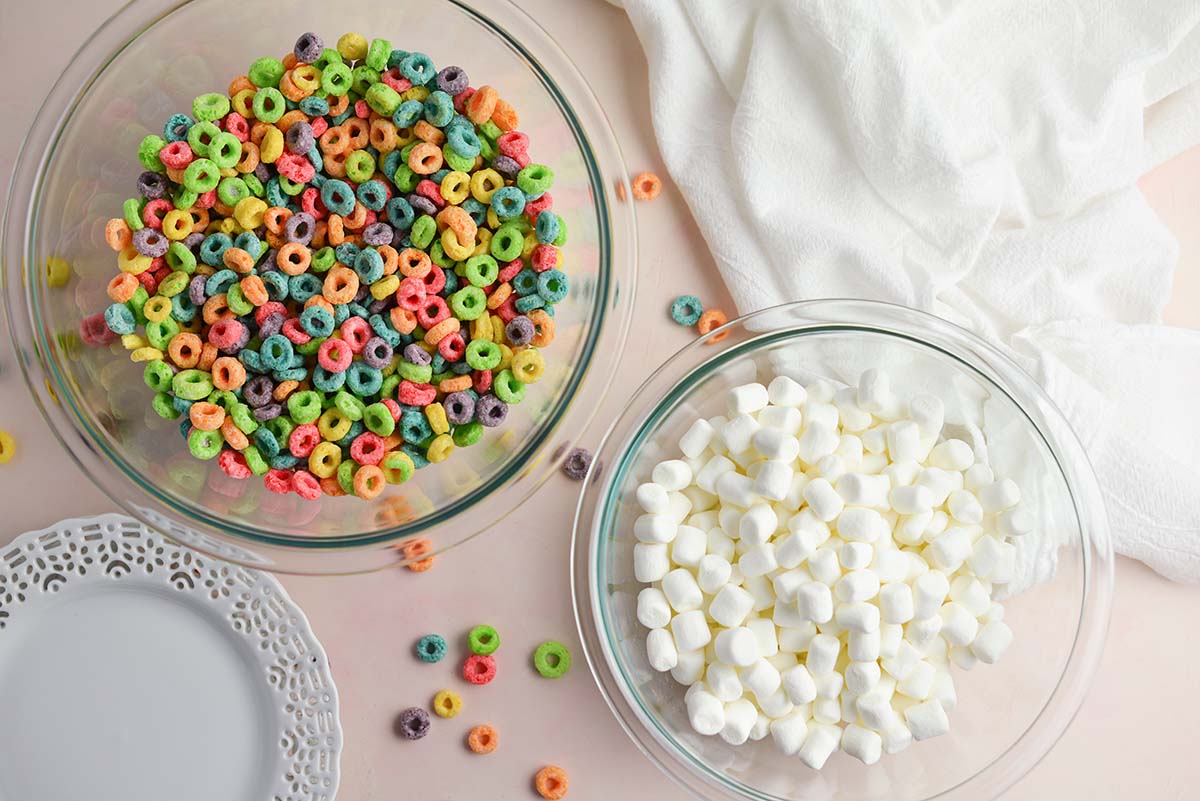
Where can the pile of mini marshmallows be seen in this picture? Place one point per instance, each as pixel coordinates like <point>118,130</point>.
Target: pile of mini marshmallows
<point>818,559</point>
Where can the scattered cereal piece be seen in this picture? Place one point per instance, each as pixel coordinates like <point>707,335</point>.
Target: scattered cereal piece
<point>551,782</point>
<point>483,740</point>
<point>646,186</point>
<point>710,319</point>
<point>58,272</point>
<point>8,446</point>
<point>413,723</point>
<point>577,463</point>
<point>447,704</point>
<point>431,648</point>
<point>479,669</point>
<point>552,659</point>
<point>483,640</point>
<point>686,310</point>
<point>415,550</point>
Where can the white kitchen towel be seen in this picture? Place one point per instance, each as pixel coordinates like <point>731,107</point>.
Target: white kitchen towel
<point>973,159</point>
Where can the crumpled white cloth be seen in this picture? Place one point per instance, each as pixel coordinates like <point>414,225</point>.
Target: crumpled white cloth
<point>976,160</point>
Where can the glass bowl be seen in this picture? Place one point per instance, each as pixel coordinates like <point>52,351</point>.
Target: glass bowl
<point>78,163</point>
<point>1008,714</point>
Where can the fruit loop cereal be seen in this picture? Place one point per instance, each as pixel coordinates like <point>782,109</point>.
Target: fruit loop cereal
<point>447,704</point>
<point>8,447</point>
<point>551,782</point>
<point>413,723</point>
<point>686,310</point>
<point>577,463</point>
<point>431,648</point>
<point>552,659</point>
<point>646,186</point>
<point>338,271</point>
<point>483,640</point>
<point>479,669</point>
<point>483,740</point>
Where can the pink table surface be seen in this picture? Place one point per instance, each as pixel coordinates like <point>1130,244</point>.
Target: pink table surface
<point>1134,738</point>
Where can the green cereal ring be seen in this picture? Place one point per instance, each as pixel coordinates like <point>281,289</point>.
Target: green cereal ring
<point>561,239</point>
<point>132,212</point>
<point>236,299</point>
<point>164,405</point>
<point>290,187</point>
<point>192,385</point>
<point>243,418</point>
<point>253,184</point>
<point>157,375</point>
<point>362,78</point>
<point>173,284</point>
<point>552,659</point>
<point>423,232</point>
<point>281,427</point>
<point>437,255</point>
<point>388,388</point>
<point>205,444</point>
<point>266,72</point>
<point>351,407</point>
<point>269,105</point>
<point>304,406</point>
<point>378,54</point>
<point>360,165</point>
<point>322,260</point>
<point>507,243</point>
<point>468,434</point>
<point>455,161</point>
<point>200,136</point>
<point>181,258</point>
<point>336,80</point>
<point>147,152</point>
<point>416,373</point>
<point>137,303</point>
<point>225,150</point>
<point>160,332</point>
<point>328,56</point>
<point>535,179</point>
<point>223,398</point>
<point>345,475</point>
<point>487,149</point>
<point>210,106</point>
<point>382,99</point>
<point>491,130</point>
<point>202,176</point>
<point>507,388</point>
<point>255,461</point>
<point>483,640</point>
<point>378,419</point>
<point>184,199</point>
<point>231,190</point>
<point>482,270</point>
<point>483,354</point>
<point>405,179</point>
<point>397,467</point>
<point>468,303</point>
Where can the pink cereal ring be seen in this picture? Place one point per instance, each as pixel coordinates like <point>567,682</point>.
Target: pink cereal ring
<point>319,126</point>
<point>460,99</point>
<point>452,347</point>
<point>509,271</point>
<point>277,480</point>
<point>334,355</point>
<point>367,448</point>
<point>356,331</point>
<point>508,309</point>
<point>176,155</point>
<point>535,207</point>
<point>431,191</point>
<point>295,167</point>
<point>362,110</point>
<point>435,280</point>
<point>306,485</point>
<point>234,464</point>
<point>155,210</point>
<point>207,200</point>
<point>370,219</point>
<point>303,439</point>
<point>432,312</point>
<point>392,407</point>
<point>94,331</point>
<point>481,380</point>
<point>292,330</point>
<point>267,309</point>
<point>310,201</point>
<point>148,280</point>
<point>394,79</point>
<point>412,394</point>
<point>513,143</point>
<point>545,257</point>
<point>237,125</point>
<point>411,294</point>
<point>226,333</point>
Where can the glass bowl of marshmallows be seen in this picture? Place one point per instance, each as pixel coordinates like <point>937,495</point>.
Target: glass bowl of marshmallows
<point>842,550</point>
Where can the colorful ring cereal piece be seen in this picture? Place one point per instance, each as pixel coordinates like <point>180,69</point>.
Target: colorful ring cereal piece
<point>479,669</point>
<point>577,463</point>
<point>483,640</point>
<point>483,740</point>
<point>8,447</point>
<point>413,723</point>
<point>551,782</point>
<point>552,659</point>
<point>646,186</point>
<point>447,704</point>
<point>686,310</point>
<point>431,648</point>
<point>709,320</point>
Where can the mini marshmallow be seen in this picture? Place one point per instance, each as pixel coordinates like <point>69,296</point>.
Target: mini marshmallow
<point>971,593</point>
<point>690,630</point>
<point>929,591</point>
<point>713,469</point>
<point>660,650</point>
<point>999,495</point>
<point>774,480</point>
<point>829,685</point>
<point>764,636</point>
<point>857,585</point>
<point>653,609</point>
<point>731,606</point>
<point>928,412</point>
<point>678,507</point>
<point>672,475</point>
<point>1015,522</point>
<point>855,555</point>
<point>921,633</point>
<point>824,565</point>
<point>890,635</point>
<point>727,526</point>
<point>852,416</point>
<point>860,525</point>
<point>747,399</point>
<point>653,498</point>
<point>736,646</point>
<point>786,584</point>
<point>964,507</point>
<point>959,626</point>
<point>788,732</point>
<point>902,474</point>
<point>943,690</point>
<point>926,720</point>
<point>903,662</point>
<point>904,441</point>
<point>783,391</point>
<point>759,588</point>
<point>963,657</point>
<point>761,678</point>
<point>689,546</point>
<point>739,718</point>
<point>950,548</point>
<point>875,710</point>
<point>723,681</point>
<point>859,616</point>
<point>762,725</point>
<point>874,440</point>
<point>911,499</point>
<point>795,639</point>
<point>650,562</point>
<point>689,667</point>
<point>775,705</point>
<point>861,677</point>
<point>992,559</point>
<point>775,444</point>
<point>822,654</point>
<point>818,440</point>
<point>874,391</point>
<point>736,489</point>
<point>713,573</point>
<point>697,438</point>
<point>701,501</point>
<point>706,713</point>
<point>820,742</point>
<point>859,489</point>
<point>738,432</point>
<point>798,683</point>
<point>814,601</point>
<point>940,482</point>
<point>863,646</point>
<point>708,519</point>
<point>681,590</point>
<point>821,413</point>
<point>862,744</point>
<point>831,467</point>
<point>978,476</point>
<point>896,603</point>
<point>919,681</point>
<point>890,564</point>
<point>953,454</point>
<point>782,418</point>
<point>992,641</point>
<point>910,529</point>
<point>896,737</point>
<point>655,528</point>
<point>758,524</point>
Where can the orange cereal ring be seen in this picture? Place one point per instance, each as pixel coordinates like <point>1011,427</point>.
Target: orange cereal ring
<point>358,132</point>
<point>646,186</point>
<point>293,258</point>
<point>482,104</point>
<point>505,116</point>
<point>234,437</point>
<point>289,89</point>
<point>456,384</point>
<point>217,308</point>
<point>710,319</point>
<point>175,175</point>
<point>459,221</point>
<point>356,219</point>
<point>425,159</point>
<point>368,481</point>
<point>391,258</point>
<point>240,83</point>
<point>383,136</point>
<point>483,740</point>
<point>284,388</point>
<point>336,231</point>
<point>254,290</point>
<point>289,61</point>
<point>341,285</point>
<point>317,300</point>
<point>199,218</point>
<point>184,350</point>
<point>403,320</point>
<point>331,487</point>
<point>117,234</point>
<point>275,217</point>
<point>551,782</point>
<point>249,160</point>
<point>335,164</point>
<point>334,140</point>
<point>429,133</point>
<point>442,330</point>
<point>414,263</point>
<point>291,118</point>
<point>499,295</point>
<point>258,130</point>
<point>338,104</point>
<point>238,260</point>
<point>228,373</point>
<point>122,287</point>
<point>543,326</point>
<point>206,416</point>
<point>208,355</point>
<point>320,232</point>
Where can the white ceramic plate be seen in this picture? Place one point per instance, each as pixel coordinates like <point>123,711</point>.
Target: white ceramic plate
<point>132,669</point>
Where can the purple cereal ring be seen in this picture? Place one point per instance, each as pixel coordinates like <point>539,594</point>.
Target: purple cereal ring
<point>422,204</point>
<point>577,463</point>
<point>361,294</point>
<point>378,234</point>
<point>151,185</point>
<point>415,354</point>
<point>150,242</point>
<point>519,331</point>
<point>508,167</point>
<point>460,408</point>
<point>299,138</point>
<point>300,226</point>
<point>193,240</point>
<point>257,391</point>
<point>377,353</point>
<point>196,292</point>
<point>382,305</point>
<point>452,80</point>
<point>263,172</point>
<point>238,344</point>
<point>271,326</point>
<point>267,263</point>
<point>268,412</point>
<point>490,411</point>
<point>308,47</point>
<point>413,723</point>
